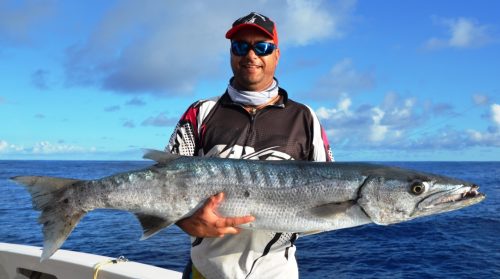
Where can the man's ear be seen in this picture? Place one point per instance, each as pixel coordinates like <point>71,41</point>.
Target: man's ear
<point>277,53</point>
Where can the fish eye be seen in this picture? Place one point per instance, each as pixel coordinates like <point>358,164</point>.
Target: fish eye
<point>417,188</point>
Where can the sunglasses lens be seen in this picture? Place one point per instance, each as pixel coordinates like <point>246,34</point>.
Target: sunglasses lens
<point>239,48</point>
<point>263,48</point>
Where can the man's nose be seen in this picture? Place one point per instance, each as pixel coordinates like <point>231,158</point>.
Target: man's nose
<point>251,54</point>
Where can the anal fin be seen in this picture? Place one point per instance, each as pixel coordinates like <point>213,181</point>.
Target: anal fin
<point>151,224</point>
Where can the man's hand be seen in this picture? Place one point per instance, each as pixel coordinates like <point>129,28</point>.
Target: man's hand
<point>205,222</point>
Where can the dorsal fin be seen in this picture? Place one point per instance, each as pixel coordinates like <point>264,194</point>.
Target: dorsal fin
<point>159,156</point>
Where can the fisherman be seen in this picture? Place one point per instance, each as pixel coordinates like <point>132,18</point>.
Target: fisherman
<point>253,119</point>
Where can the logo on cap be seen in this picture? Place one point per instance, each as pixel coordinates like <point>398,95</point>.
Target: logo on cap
<point>253,18</point>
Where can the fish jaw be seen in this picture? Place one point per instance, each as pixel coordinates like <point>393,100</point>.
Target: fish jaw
<point>459,197</point>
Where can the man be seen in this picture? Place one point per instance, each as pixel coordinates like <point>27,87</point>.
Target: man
<point>253,119</point>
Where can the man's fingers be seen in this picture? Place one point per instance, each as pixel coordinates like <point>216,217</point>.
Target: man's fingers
<point>214,201</point>
<point>233,221</point>
<point>228,230</point>
<point>215,225</point>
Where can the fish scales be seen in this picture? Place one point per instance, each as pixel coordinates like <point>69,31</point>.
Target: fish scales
<point>274,196</point>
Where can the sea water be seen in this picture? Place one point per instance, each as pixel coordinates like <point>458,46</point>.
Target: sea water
<point>459,244</point>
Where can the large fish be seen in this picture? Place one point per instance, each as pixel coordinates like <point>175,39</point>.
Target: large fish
<point>284,196</point>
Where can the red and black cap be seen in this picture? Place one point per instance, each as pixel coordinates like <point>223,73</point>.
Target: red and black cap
<point>255,20</point>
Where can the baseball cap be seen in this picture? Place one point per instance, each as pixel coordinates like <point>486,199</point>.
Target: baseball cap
<point>254,20</point>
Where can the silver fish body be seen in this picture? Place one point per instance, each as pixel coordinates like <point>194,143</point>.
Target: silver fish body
<point>284,196</point>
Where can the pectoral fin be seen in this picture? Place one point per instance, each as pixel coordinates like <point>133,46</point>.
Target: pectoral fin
<point>330,210</point>
<point>151,224</point>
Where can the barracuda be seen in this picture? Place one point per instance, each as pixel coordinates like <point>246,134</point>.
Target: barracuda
<point>284,196</point>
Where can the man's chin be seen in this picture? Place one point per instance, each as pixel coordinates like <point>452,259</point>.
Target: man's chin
<point>250,84</point>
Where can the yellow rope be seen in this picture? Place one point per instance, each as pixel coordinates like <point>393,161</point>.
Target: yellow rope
<point>98,266</point>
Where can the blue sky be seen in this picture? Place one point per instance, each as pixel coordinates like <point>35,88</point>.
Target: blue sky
<point>389,80</point>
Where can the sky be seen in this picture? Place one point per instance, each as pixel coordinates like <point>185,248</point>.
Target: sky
<point>389,80</point>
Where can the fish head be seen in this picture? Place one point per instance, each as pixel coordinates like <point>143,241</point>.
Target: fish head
<point>395,195</point>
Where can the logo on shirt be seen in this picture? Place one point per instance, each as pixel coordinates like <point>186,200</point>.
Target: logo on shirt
<point>246,152</point>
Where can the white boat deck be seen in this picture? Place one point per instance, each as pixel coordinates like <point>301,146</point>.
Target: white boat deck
<point>22,261</point>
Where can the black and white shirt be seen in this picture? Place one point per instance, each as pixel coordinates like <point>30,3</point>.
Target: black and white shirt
<point>218,127</point>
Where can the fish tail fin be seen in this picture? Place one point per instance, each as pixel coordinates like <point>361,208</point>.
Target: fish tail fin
<point>57,216</point>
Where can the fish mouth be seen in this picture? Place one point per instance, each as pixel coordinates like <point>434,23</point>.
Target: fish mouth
<point>462,194</point>
<point>453,199</point>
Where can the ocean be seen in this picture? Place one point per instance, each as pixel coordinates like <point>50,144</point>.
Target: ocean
<point>459,244</point>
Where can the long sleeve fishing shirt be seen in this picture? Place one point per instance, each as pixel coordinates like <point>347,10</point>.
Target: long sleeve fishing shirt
<point>219,127</point>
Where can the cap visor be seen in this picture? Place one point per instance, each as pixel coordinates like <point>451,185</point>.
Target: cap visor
<point>230,34</point>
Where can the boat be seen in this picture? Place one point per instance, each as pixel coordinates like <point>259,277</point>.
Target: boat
<point>23,261</point>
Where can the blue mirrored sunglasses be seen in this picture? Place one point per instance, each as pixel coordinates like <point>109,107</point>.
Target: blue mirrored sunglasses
<point>240,48</point>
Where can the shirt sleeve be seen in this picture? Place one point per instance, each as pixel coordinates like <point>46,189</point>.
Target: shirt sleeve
<point>321,148</point>
<point>185,138</point>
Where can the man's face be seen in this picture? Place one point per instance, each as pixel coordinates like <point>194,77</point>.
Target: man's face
<point>252,72</point>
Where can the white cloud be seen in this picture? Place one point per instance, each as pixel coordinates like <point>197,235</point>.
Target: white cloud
<point>6,147</point>
<point>399,112</point>
<point>342,109</point>
<point>484,138</point>
<point>365,124</point>
<point>495,114</point>
<point>461,33</point>
<point>42,148</point>
<point>378,131</point>
<point>308,21</point>
<point>305,21</point>
<point>465,33</point>
<point>61,151</point>
<point>401,124</point>
<point>344,105</point>
<point>167,47</point>
<point>45,147</point>
<point>3,145</point>
<point>491,136</point>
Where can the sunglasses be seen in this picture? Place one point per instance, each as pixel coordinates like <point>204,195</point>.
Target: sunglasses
<point>240,48</point>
